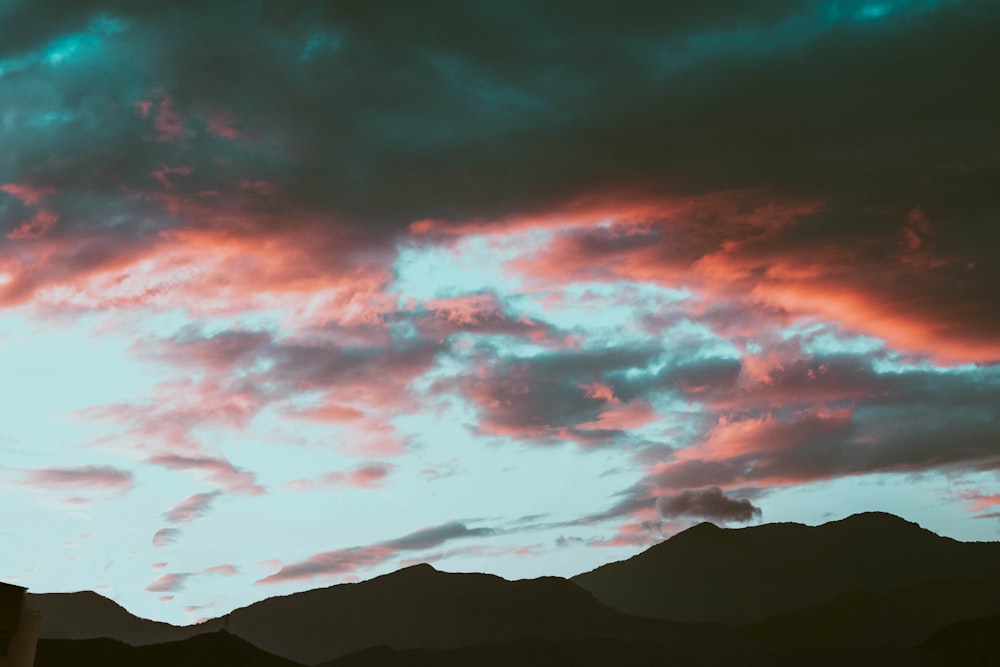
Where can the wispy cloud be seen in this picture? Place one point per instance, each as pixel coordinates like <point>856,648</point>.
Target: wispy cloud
<point>345,561</point>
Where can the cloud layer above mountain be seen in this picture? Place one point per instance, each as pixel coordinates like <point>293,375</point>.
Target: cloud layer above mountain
<point>513,283</point>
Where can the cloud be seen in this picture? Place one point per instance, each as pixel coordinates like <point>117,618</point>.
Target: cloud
<point>546,397</point>
<point>847,201</point>
<point>169,583</point>
<point>708,503</point>
<point>28,194</point>
<point>344,561</point>
<point>191,508</point>
<point>979,501</point>
<point>174,582</point>
<point>225,474</point>
<point>165,536</point>
<point>366,476</point>
<point>98,478</point>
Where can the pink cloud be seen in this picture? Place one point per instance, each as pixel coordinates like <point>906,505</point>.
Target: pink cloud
<point>191,508</point>
<point>164,537</point>
<point>28,194</point>
<point>328,413</point>
<point>366,476</point>
<point>741,248</point>
<point>222,570</point>
<point>622,416</point>
<point>35,227</point>
<point>331,563</point>
<point>473,313</point>
<point>979,501</point>
<point>345,561</point>
<point>168,123</point>
<point>219,470</point>
<point>164,172</point>
<point>767,434</point>
<point>221,124</point>
<point>169,583</point>
<point>646,529</point>
<point>92,477</point>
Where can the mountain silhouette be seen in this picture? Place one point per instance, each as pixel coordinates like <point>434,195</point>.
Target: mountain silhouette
<point>903,617</point>
<point>604,652</point>
<point>416,607</point>
<point>420,607</point>
<point>523,653</point>
<point>214,649</point>
<point>88,615</point>
<point>969,643</point>
<point>870,589</point>
<point>707,573</point>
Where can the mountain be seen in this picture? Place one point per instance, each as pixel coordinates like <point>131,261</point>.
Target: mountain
<point>707,573</point>
<point>903,617</point>
<point>416,607</point>
<point>603,652</point>
<point>865,589</point>
<point>968,643</point>
<point>521,652</point>
<point>420,607</point>
<point>207,650</point>
<point>87,615</point>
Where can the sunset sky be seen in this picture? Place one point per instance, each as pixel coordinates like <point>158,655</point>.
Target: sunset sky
<point>294,294</point>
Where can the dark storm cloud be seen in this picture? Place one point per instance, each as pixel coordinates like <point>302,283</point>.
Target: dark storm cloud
<point>375,117</point>
<point>481,109</point>
<point>546,397</point>
<point>708,503</point>
<point>314,134</point>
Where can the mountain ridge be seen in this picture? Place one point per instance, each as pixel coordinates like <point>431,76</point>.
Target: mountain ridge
<point>741,575</point>
<point>420,608</point>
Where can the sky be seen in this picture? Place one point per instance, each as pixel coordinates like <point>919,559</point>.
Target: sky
<point>295,294</point>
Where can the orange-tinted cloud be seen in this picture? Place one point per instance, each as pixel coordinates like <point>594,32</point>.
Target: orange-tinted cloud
<point>366,476</point>
<point>28,194</point>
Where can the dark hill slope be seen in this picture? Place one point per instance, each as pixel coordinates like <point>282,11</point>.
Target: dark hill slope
<point>903,617</point>
<point>215,649</point>
<point>743,575</point>
<point>604,652</point>
<point>88,615</point>
<point>969,643</point>
<point>420,607</point>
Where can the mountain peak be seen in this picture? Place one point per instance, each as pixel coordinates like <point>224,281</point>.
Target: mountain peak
<point>423,569</point>
<point>737,575</point>
<point>419,567</point>
<point>875,516</point>
<point>703,529</point>
<point>881,521</point>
